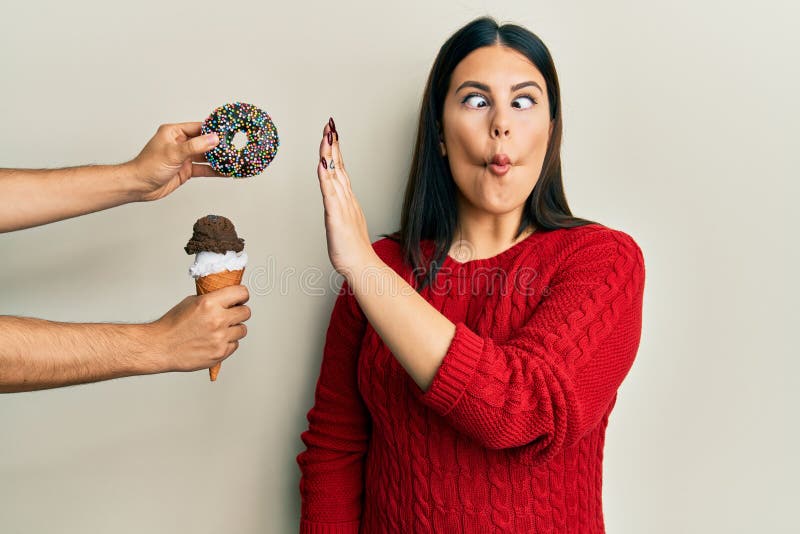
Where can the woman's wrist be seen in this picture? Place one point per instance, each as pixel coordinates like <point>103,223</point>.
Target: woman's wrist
<point>360,272</point>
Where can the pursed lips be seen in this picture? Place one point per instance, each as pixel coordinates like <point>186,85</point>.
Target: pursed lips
<point>500,164</point>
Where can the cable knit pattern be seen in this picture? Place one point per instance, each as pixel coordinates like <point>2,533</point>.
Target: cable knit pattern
<point>509,437</point>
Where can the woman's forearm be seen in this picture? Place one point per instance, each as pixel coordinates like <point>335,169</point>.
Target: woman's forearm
<point>33,197</point>
<point>416,333</point>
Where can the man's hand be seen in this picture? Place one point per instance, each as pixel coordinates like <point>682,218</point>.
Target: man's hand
<point>30,197</point>
<point>201,331</point>
<point>196,334</point>
<point>170,158</point>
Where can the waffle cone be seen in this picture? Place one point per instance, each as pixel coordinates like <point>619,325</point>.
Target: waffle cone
<point>212,282</point>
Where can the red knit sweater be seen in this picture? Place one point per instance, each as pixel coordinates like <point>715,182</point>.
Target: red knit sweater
<point>509,437</point>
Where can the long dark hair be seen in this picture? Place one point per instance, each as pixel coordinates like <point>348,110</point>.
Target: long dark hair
<point>429,207</point>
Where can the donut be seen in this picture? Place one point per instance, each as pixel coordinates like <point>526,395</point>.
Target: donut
<point>262,140</point>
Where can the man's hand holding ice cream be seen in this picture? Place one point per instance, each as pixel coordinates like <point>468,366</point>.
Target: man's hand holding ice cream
<point>201,330</point>
<point>198,333</point>
<point>220,259</point>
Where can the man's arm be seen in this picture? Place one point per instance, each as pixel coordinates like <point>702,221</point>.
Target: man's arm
<point>34,197</point>
<point>196,334</point>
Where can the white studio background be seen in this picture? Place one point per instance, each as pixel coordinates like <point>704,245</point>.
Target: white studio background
<point>680,129</point>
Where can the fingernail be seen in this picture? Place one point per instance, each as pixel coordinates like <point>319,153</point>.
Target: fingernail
<point>333,124</point>
<point>324,163</point>
<point>212,139</point>
<point>330,138</point>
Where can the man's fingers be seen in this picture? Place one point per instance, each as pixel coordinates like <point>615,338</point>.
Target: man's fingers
<point>232,346</point>
<point>230,296</point>
<point>200,170</point>
<point>198,145</point>
<point>237,332</point>
<point>238,314</point>
<point>190,129</point>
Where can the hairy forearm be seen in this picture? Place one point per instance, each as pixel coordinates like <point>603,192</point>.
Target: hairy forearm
<point>37,354</point>
<point>414,331</point>
<point>34,197</point>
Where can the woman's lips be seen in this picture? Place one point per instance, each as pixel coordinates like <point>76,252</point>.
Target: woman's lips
<point>499,170</point>
<point>500,164</point>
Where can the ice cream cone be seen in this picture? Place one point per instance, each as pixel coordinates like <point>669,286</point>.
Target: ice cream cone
<point>212,282</point>
<point>220,258</point>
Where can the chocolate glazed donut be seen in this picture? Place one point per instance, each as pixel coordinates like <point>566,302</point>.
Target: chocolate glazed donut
<point>262,140</point>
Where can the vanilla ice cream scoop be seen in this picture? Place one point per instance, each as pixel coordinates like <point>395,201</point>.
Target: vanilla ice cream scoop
<point>206,263</point>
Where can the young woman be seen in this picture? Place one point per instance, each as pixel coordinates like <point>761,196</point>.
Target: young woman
<point>473,357</point>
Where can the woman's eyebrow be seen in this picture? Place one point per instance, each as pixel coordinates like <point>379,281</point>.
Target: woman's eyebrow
<point>484,87</point>
<point>476,85</point>
<point>526,84</point>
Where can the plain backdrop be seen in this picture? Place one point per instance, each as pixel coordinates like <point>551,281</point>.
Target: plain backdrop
<point>680,128</point>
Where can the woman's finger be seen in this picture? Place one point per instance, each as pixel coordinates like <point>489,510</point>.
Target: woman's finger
<point>328,162</point>
<point>336,162</point>
<point>341,190</point>
<point>336,157</point>
<point>333,178</point>
<point>336,151</point>
<point>324,145</point>
<point>326,183</point>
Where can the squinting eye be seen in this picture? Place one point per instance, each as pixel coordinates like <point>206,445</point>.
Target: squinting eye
<point>473,100</point>
<point>524,105</point>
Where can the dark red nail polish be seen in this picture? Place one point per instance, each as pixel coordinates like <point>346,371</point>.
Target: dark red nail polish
<point>330,138</point>
<point>333,124</point>
<point>324,163</point>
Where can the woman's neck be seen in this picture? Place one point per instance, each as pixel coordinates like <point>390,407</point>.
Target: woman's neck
<point>477,243</point>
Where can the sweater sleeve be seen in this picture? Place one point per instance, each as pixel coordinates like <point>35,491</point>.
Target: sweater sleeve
<point>331,482</point>
<point>554,378</point>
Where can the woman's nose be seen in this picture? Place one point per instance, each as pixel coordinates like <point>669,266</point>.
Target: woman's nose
<point>500,126</point>
<point>500,132</point>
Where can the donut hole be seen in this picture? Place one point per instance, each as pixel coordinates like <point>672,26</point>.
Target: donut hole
<point>239,140</point>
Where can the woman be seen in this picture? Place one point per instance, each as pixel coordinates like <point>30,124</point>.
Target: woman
<point>474,356</point>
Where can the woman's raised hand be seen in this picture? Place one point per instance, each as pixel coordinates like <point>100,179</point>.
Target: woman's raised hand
<point>349,245</point>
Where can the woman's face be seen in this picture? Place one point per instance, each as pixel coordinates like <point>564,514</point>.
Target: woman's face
<point>496,108</point>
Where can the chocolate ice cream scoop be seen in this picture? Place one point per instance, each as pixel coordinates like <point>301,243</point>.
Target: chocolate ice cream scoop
<point>214,233</point>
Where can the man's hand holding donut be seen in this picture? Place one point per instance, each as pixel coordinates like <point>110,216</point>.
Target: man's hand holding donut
<point>32,197</point>
<point>170,158</point>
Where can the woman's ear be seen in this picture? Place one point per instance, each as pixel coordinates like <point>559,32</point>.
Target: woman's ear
<point>442,147</point>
